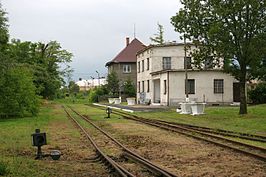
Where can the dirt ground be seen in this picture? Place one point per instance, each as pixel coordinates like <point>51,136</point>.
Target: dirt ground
<point>182,155</point>
<point>179,154</point>
<point>78,156</point>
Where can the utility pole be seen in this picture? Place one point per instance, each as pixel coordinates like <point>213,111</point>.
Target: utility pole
<point>98,78</point>
<point>186,83</point>
<point>92,78</point>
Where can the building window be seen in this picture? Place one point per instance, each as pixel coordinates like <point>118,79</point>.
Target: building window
<point>166,62</point>
<point>187,62</point>
<point>138,66</point>
<point>138,86</point>
<point>148,63</point>
<point>190,86</point>
<point>126,68</point>
<point>148,85</point>
<point>142,65</point>
<point>142,86</point>
<point>165,89</point>
<point>218,86</point>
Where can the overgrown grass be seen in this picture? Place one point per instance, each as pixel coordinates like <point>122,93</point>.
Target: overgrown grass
<point>72,100</point>
<point>17,152</point>
<point>95,113</point>
<point>15,143</point>
<point>215,117</point>
<point>3,168</point>
<point>219,117</point>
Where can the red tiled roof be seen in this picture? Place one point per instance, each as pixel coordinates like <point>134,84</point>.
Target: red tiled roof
<point>128,54</point>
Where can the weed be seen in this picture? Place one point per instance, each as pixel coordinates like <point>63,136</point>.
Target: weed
<point>3,168</point>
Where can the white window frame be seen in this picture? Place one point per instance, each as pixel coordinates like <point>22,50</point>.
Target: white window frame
<point>126,68</point>
<point>218,86</point>
<point>166,63</point>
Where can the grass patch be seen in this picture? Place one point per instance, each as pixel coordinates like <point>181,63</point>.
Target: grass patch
<point>3,168</point>
<point>17,153</point>
<point>219,117</point>
<point>15,143</point>
<point>215,117</point>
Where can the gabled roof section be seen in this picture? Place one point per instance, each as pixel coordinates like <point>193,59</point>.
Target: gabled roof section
<point>128,54</point>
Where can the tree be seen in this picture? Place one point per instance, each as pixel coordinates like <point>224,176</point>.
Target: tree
<point>158,38</point>
<point>258,95</point>
<point>73,87</point>
<point>129,88</point>
<point>3,28</point>
<point>46,61</point>
<point>113,83</point>
<point>18,96</point>
<point>232,30</point>
<point>28,69</point>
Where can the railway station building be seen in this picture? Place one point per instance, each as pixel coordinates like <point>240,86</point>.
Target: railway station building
<point>124,63</point>
<point>161,78</point>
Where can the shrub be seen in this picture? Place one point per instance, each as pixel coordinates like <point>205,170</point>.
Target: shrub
<point>17,93</point>
<point>258,95</point>
<point>3,168</point>
<point>93,97</point>
<point>96,92</point>
<point>129,88</point>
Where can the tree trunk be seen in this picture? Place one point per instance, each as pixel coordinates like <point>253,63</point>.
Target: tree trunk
<point>243,97</point>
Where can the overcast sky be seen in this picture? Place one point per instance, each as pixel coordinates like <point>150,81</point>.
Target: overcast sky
<point>93,30</point>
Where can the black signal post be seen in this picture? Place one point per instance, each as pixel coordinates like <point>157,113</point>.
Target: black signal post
<point>38,140</point>
<point>108,112</point>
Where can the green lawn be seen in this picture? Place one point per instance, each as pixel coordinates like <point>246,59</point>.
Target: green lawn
<point>219,117</point>
<point>15,143</point>
<point>17,153</point>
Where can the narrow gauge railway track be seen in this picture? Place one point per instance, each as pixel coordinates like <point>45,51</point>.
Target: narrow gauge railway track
<point>222,132</point>
<point>154,169</point>
<point>240,135</point>
<point>112,165</point>
<point>254,151</point>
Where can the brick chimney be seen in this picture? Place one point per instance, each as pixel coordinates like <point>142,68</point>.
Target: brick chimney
<point>127,41</point>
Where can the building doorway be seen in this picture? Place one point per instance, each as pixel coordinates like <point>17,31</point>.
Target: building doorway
<point>157,91</point>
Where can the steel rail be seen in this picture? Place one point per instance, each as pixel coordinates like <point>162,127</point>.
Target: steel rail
<point>107,160</point>
<point>175,129</point>
<point>129,153</point>
<point>240,135</point>
<point>183,130</point>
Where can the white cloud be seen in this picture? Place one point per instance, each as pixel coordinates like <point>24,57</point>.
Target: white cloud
<point>94,30</point>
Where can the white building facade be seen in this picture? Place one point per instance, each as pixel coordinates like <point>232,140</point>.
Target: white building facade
<point>161,78</point>
<point>85,85</point>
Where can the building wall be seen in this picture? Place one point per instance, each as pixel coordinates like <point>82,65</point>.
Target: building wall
<point>204,79</point>
<point>144,75</point>
<point>118,68</point>
<point>175,52</point>
<point>204,86</point>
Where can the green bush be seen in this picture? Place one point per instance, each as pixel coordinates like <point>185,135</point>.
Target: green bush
<point>3,168</point>
<point>93,97</point>
<point>258,95</point>
<point>129,88</point>
<point>96,92</point>
<point>17,93</point>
